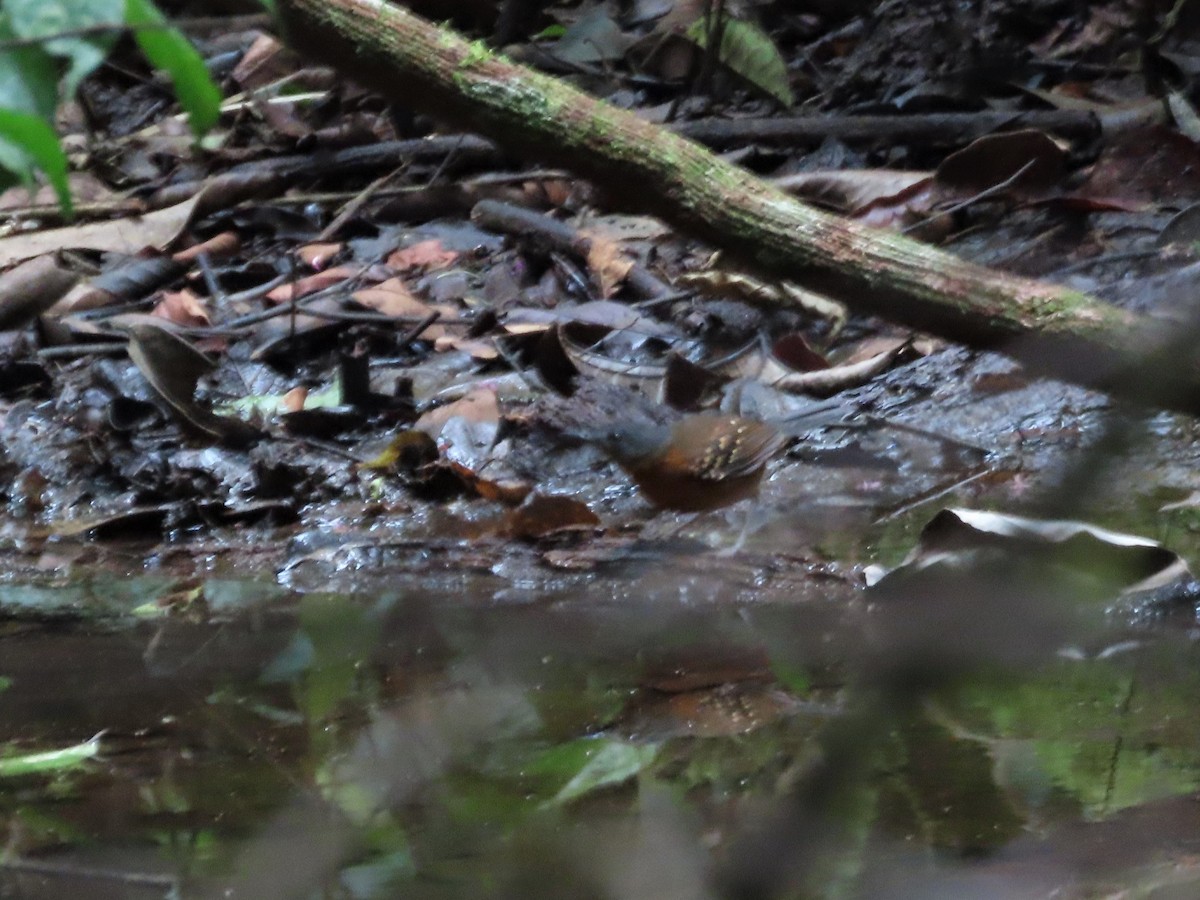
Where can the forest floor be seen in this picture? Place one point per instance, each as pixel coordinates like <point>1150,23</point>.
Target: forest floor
<point>333,358</point>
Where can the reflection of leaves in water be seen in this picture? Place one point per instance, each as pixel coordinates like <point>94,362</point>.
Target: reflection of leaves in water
<point>1084,737</point>
<point>578,705</point>
<point>946,783</point>
<point>39,827</point>
<point>752,763</point>
<point>608,763</point>
<point>291,662</point>
<point>472,798</point>
<point>49,761</point>
<point>372,879</point>
<point>387,856</point>
<point>342,635</point>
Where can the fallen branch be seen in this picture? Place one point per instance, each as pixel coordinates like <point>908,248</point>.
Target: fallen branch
<point>927,129</point>
<point>1051,329</point>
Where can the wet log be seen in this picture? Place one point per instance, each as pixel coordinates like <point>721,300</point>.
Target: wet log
<point>1051,329</point>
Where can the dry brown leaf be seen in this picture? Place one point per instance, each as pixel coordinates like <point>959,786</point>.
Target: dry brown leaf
<point>220,245</point>
<point>480,406</point>
<point>158,229</point>
<point>426,255</point>
<point>293,400</point>
<point>608,261</point>
<point>850,190</point>
<point>310,284</point>
<point>266,60</point>
<point>393,298</point>
<point>509,491</point>
<point>318,256</point>
<point>542,516</point>
<point>182,308</point>
<point>484,351</point>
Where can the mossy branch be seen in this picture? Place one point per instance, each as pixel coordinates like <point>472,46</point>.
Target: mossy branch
<point>1051,329</point>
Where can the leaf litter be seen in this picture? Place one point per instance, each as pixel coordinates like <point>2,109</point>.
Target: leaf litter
<point>380,383</point>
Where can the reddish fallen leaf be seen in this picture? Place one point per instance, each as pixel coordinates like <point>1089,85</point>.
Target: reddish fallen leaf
<point>999,382</point>
<point>426,255</point>
<point>182,308</point>
<point>509,491</point>
<point>1095,204</point>
<point>1143,166</point>
<point>476,406</point>
<point>541,517</point>
<point>794,352</point>
<point>226,243</point>
<point>608,262</point>
<point>704,664</point>
<point>293,400</point>
<point>1105,22</point>
<point>310,284</point>
<point>318,256</point>
<point>484,351</point>
<point>910,213</point>
<point>549,193</point>
<point>266,60</point>
<point>393,298</point>
<point>1030,159</point>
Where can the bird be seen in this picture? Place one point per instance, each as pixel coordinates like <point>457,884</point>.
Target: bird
<point>699,463</point>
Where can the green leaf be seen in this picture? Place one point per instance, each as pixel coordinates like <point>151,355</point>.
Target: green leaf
<point>28,77</point>
<point>264,406</point>
<point>26,141</point>
<point>609,763</point>
<point>792,677</point>
<point>46,18</point>
<point>170,51</point>
<point>749,51</point>
<point>51,760</point>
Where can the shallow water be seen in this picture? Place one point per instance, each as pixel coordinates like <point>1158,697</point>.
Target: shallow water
<point>671,723</point>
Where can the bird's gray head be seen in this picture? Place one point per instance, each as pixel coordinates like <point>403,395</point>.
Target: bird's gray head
<point>632,442</point>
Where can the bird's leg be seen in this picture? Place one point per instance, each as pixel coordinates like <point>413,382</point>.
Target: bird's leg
<point>753,518</point>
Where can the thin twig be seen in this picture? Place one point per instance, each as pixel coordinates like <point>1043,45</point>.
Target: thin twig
<point>417,330</point>
<point>215,291</point>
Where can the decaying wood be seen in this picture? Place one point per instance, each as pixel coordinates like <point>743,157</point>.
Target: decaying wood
<point>1050,328</point>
